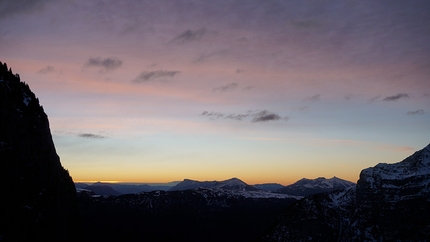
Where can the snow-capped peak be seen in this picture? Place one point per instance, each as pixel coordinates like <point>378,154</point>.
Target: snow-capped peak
<point>416,165</point>
<point>322,182</point>
<point>305,187</point>
<point>231,183</point>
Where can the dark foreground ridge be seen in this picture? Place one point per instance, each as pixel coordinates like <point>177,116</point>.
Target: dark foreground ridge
<point>38,198</point>
<point>391,202</point>
<point>200,214</point>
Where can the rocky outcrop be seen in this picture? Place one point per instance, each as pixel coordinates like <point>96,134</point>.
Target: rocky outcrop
<point>391,202</point>
<point>395,199</point>
<point>38,197</point>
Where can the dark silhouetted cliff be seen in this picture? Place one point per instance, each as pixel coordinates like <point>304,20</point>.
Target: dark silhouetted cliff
<point>37,195</point>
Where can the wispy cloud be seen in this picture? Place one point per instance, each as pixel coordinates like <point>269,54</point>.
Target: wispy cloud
<point>189,35</point>
<point>374,99</point>
<point>46,70</point>
<point>12,7</point>
<point>257,116</point>
<point>204,57</point>
<point>225,88</point>
<point>396,97</point>
<point>217,115</point>
<point>264,116</point>
<point>314,98</point>
<point>91,136</point>
<point>417,112</point>
<point>396,148</point>
<point>106,64</point>
<point>303,108</point>
<point>146,76</point>
<point>348,97</point>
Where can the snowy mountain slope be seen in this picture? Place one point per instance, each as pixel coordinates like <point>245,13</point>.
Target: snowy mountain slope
<point>233,187</point>
<point>215,192</point>
<point>187,184</point>
<point>305,187</point>
<point>230,184</point>
<point>234,184</point>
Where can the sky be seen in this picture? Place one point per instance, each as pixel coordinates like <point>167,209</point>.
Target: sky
<point>262,90</point>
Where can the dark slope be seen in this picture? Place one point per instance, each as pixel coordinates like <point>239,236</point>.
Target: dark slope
<point>38,197</point>
<point>200,214</point>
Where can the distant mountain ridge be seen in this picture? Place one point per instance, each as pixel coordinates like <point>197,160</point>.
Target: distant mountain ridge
<point>301,188</point>
<point>230,184</point>
<point>391,202</point>
<point>306,187</point>
<point>116,189</point>
<point>271,187</point>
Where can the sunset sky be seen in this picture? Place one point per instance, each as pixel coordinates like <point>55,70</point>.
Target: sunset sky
<point>262,90</point>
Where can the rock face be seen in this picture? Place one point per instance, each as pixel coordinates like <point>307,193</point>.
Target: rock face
<point>396,199</point>
<point>391,202</point>
<point>38,197</point>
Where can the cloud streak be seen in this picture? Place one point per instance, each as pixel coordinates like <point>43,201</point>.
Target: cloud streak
<point>374,99</point>
<point>314,98</point>
<point>417,112</point>
<point>226,88</point>
<point>106,64</point>
<point>189,35</point>
<point>91,136</point>
<point>396,97</point>
<point>146,76</point>
<point>204,57</point>
<point>260,116</point>
<point>264,116</point>
<point>217,115</point>
<point>46,70</point>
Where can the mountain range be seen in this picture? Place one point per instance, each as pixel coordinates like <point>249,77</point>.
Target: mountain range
<point>303,187</point>
<point>116,189</point>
